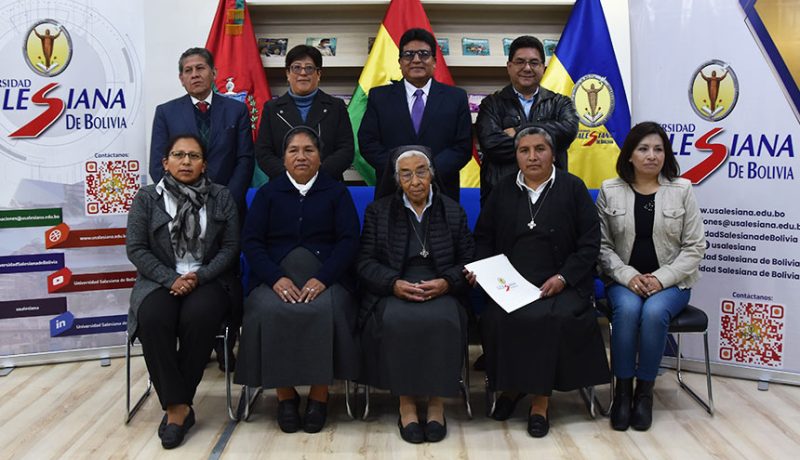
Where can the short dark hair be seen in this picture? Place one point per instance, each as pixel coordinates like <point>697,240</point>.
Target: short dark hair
<point>418,34</point>
<point>670,170</point>
<point>174,140</point>
<point>303,51</point>
<point>301,129</point>
<point>535,129</point>
<point>525,41</point>
<point>202,52</point>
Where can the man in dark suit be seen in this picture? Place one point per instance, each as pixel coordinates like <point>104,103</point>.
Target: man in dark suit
<point>417,110</point>
<point>223,124</point>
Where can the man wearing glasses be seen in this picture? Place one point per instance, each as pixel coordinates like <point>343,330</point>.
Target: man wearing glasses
<point>417,110</point>
<point>221,123</point>
<point>517,105</point>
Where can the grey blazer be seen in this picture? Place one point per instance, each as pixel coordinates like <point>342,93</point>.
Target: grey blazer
<point>150,249</point>
<point>678,233</point>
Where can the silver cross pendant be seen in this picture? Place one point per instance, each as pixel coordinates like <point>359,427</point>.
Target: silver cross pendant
<point>424,253</point>
<point>531,224</point>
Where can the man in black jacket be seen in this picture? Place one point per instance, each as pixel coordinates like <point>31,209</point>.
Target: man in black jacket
<point>521,103</point>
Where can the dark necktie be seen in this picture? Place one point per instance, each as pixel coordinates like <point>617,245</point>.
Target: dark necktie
<point>417,109</point>
<point>204,122</point>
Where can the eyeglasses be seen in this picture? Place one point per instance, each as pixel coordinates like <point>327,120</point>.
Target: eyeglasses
<point>298,69</point>
<point>423,55</point>
<point>407,176</point>
<point>521,63</point>
<point>179,155</point>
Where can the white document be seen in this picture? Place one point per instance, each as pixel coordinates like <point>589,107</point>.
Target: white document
<point>503,282</point>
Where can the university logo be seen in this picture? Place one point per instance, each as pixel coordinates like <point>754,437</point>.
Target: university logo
<point>713,90</point>
<point>48,48</point>
<point>593,97</point>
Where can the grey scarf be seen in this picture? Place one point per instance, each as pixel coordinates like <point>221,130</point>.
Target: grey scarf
<point>185,233</point>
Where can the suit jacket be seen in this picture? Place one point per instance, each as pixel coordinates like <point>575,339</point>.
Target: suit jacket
<point>230,150</point>
<point>150,248</point>
<point>328,115</point>
<point>445,128</point>
<point>678,233</point>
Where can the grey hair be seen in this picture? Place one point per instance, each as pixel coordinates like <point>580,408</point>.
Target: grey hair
<point>409,154</point>
<point>530,131</point>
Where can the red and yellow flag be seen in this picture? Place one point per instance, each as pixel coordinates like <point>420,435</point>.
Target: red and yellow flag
<point>240,73</point>
<point>382,67</point>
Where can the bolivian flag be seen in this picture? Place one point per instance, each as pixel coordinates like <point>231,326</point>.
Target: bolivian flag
<point>382,67</point>
<point>584,67</point>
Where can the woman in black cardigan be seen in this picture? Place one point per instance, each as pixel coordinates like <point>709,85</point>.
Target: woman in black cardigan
<point>544,221</point>
<point>305,104</point>
<point>413,250</point>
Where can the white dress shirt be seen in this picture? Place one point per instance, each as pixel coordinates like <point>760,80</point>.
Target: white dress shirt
<point>411,89</point>
<point>534,194</point>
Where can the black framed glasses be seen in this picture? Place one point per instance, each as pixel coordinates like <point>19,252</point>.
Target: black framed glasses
<point>180,155</point>
<point>408,55</point>
<point>299,69</point>
<point>421,173</point>
<point>521,63</point>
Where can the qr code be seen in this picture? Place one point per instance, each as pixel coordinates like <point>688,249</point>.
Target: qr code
<point>751,333</point>
<point>111,186</point>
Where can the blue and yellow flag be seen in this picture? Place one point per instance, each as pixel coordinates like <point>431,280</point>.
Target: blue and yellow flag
<point>584,67</point>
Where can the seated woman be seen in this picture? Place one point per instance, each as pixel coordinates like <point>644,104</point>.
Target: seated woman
<point>652,244</point>
<point>413,250</point>
<point>183,238</point>
<point>300,239</point>
<point>544,221</point>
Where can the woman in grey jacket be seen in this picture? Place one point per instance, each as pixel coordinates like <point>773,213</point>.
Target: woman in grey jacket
<point>183,238</point>
<point>652,244</point>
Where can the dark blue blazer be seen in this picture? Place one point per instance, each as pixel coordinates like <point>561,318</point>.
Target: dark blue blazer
<point>445,129</point>
<point>325,222</point>
<point>230,150</point>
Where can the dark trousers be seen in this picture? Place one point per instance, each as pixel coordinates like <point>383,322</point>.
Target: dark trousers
<point>177,335</point>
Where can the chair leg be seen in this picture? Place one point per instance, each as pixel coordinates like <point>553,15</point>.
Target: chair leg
<point>589,399</point>
<point>246,401</point>
<point>708,406</point>
<point>129,413</point>
<point>491,397</point>
<point>232,414</point>
<point>347,399</point>
<point>606,412</point>
<point>465,382</point>
<point>366,403</point>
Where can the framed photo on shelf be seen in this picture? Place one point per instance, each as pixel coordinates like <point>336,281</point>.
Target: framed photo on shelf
<point>325,45</point>
<point>272,46</point>
<point>549,47</point>
<point>506,45</point>
<point>474,46</point>
<point>444,44</point>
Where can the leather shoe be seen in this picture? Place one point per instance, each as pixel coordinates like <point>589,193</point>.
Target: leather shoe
<point>412,432</point>
<point>642,413</point>
<point>173,433</point>
<point>538,426</point>
<point>504,406</point>
<point>289,414</point>
<point>621,407</point>
<point>435,431</point>
<point>316,413</point>
<point>162,425</point>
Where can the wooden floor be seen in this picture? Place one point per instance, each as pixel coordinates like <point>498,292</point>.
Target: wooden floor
<point>76,410</point>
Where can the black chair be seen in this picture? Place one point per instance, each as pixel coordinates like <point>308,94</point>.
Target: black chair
<point>131,411</point>
<point>250,395</point>
<point>588,394</point>
<point>691,320</point>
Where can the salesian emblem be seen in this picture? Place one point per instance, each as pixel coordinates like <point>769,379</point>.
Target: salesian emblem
<point>48,48</point>
<point>713,90</point>
<point>594,100</point>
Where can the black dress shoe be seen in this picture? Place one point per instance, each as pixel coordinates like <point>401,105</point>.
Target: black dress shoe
<point>162,425</point>
<point>289,414</point>
<point>435,431</point>
<point>504,406</point>
<point>316,413</point>
<point>480,363</point>
<point>173,434</point>
<point>538,426</point>
<point>412,432</point>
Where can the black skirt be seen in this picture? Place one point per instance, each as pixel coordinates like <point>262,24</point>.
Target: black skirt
<point>285,344</point>
<point>415,348</point>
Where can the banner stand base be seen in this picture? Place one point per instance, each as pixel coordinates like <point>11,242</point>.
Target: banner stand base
<point>6,370</point>
<point>763,385</point>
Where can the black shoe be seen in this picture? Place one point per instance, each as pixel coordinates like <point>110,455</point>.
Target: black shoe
<point>289,414</point>
<point>538,425</point>
<point>621,408</point>
<point>316,413</point>
<point>162,425</point>
<point>504,406</point>
<point>642,413</point>
<point>435,431</point>
<point>480,363</point>
<point>173,434</point>
<point>412,432</point>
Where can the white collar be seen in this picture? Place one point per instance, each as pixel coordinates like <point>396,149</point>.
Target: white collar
<point>523,186</point>
<point>302,188</point>
<point>411,89</point>
<point>206,100</point>
<point>427,205</point>
<point>160,188</point>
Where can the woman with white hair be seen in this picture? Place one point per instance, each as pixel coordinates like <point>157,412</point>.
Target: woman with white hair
<point>413,249</point>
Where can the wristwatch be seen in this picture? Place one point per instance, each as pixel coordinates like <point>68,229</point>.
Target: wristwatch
<point>561,278</point>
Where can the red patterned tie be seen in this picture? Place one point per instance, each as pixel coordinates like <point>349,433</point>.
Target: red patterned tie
<point>202,106</point>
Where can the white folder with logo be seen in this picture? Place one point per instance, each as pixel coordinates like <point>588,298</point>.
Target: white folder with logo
<point>503,282</point>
